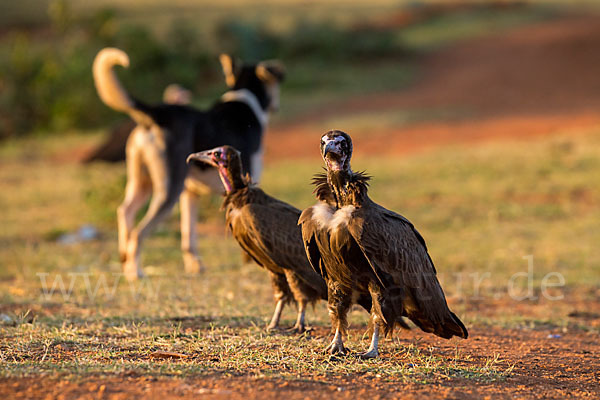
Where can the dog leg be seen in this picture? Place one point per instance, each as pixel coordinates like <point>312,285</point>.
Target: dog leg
<point>189,211</point>
<point>137,192</point>
<point>135,198</point>
<point>166,189</point>
<point>160,205</point>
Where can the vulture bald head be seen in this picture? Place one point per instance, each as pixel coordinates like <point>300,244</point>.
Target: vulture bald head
<point>336,150</point>
<point>340,186</point>
<point>227,160</point>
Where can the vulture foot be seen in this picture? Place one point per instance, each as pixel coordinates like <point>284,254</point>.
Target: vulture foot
<point>371,353</point>
<point>336,347</point>
<point>299,329</point>
<point>272,327</point>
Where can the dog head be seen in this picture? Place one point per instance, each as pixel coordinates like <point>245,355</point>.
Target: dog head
<point>262,79</point>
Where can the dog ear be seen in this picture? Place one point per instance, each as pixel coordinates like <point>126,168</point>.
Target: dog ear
<point>270,71</point>
<point>229,69</point>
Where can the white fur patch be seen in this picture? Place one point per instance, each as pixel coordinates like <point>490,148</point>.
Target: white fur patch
<point>322,214</point>
<point>256,164</point>
<point>247,97</point>
<point>341,217</point>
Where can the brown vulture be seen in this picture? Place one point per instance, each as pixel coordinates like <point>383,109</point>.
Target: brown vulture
<point>266,228</point>
<point>361,248</point>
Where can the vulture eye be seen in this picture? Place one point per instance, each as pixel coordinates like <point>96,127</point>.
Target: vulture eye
<point>217,154</point>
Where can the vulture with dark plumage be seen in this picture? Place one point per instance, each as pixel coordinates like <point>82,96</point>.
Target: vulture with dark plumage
<point>361,248</point>
<point>266,228</point>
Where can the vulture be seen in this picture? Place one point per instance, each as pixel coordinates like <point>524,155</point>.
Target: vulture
<point>360,248</point>
<point>266,228</point>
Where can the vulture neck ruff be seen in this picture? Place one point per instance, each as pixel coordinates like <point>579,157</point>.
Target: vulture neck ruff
<point>342,188</point>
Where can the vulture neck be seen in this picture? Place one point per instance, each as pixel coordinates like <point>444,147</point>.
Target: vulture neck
<point>348,188</point>
<point>232,179</point>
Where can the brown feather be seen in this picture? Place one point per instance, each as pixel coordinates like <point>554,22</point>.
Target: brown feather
<point>393,246</point>
<point>359,246</point>
<point>266,228</point>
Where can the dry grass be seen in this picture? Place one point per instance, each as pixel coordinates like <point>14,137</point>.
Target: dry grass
<point>481,210</point>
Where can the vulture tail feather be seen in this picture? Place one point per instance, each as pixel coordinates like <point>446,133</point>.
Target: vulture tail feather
<point>453,327</point>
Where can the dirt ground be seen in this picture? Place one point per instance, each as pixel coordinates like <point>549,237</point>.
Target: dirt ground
<point>533,81</point>
<point>546,365</point>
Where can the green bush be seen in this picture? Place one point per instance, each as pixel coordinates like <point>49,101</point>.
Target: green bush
<point>46,82</point>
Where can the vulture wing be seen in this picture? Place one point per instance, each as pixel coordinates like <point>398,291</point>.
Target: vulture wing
<point>316,240</point>
<point>270,235</point>
<point>312,236</point>
<point>392,245</point>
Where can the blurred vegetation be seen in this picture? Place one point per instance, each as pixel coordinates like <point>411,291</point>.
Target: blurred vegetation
<point>45,67</point>
<point>46,79</point>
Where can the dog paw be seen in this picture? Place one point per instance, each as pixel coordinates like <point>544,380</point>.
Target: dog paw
<point>193,265</point>
<point>132,272</point>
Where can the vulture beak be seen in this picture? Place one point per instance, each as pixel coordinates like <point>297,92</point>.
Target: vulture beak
<point>333,156</point>
<point>205,157</point>
<point>331,147</point>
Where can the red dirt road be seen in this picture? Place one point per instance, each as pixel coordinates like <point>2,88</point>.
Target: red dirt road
<point>529,82</point>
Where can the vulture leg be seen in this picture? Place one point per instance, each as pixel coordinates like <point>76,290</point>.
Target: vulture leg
<point>302,293</point>
<point>282,294</point>
<point>339,303</point>
<point>276,315</point>
<point>299,327</point>
<point>372,352</point>
<point>337,345</point>
<point>375,322</point>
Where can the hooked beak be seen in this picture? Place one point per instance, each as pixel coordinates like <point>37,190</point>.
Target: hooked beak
<point>333,157</point>
<point>330,148</point>
<point>204,157</point>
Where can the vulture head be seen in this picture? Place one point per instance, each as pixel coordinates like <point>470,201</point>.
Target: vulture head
<point>336,150</point>
<point>227,161</point>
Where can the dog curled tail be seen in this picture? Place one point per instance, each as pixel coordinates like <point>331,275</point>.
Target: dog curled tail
<point>109,88</point>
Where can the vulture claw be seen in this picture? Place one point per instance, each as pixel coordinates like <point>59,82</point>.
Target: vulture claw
<point>299,329</point>
<point>336,347</point>
<point>373,353</point>
<point>272,327</point>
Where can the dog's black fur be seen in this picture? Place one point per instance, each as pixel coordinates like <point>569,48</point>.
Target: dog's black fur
<point>182,130</point>
<point>232,123</point>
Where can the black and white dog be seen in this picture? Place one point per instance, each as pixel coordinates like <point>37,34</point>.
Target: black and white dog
<point>166,134</point>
